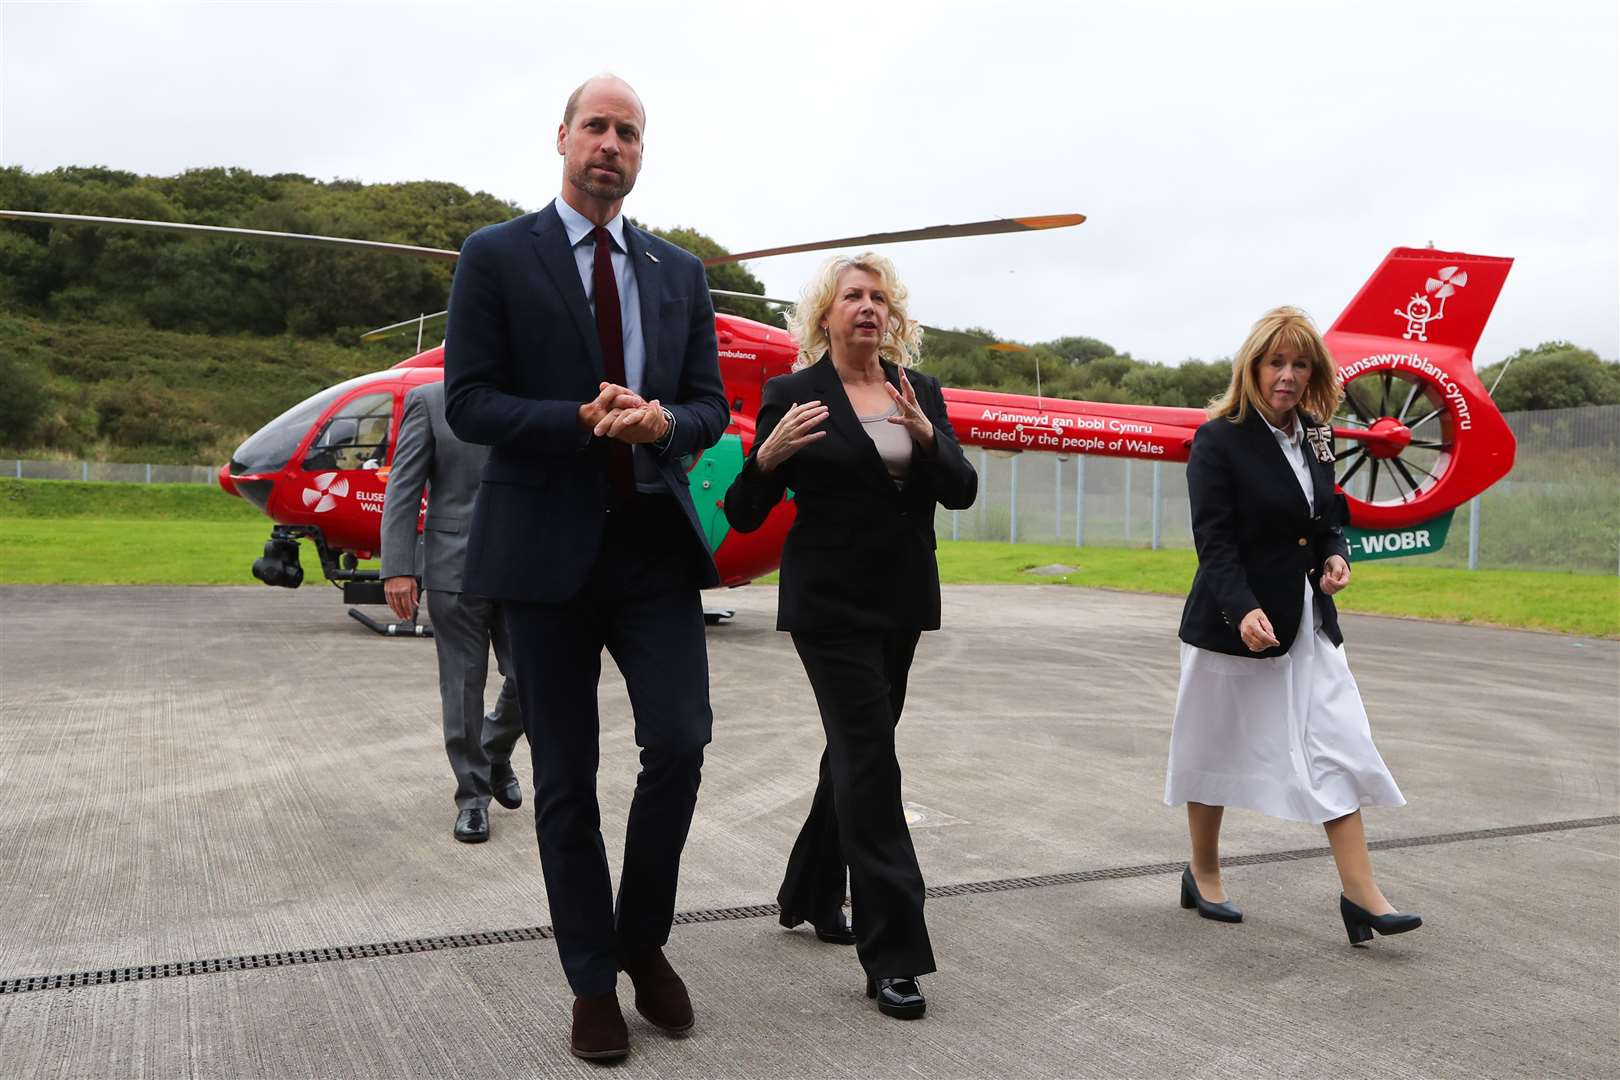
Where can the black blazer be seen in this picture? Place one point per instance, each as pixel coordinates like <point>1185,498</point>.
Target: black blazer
<point>520,356</point>
<point>1258,540</point>
<point>860,554</point>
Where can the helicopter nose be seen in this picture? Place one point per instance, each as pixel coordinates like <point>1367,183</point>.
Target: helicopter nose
<point>249,487</point>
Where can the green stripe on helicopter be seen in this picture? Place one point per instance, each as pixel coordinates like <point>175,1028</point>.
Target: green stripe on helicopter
<point>1393,543</point>
<point>711,479</point>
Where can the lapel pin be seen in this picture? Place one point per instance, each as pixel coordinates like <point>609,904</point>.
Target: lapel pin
<point>651,256</point>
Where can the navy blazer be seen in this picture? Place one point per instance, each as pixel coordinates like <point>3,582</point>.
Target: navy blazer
<point>860,554</point>
<point>521,355</point>
<point>1258,539</point>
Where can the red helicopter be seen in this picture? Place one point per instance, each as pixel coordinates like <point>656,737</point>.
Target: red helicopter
<point>1417,426</point>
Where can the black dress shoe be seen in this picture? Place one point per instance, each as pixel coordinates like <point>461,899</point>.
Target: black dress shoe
<point>507,791</point>
<point>472,825</point>
<point>1359,923</point>
<point>834,930</point>
<point>900,998</point>
<point>1208,909</point>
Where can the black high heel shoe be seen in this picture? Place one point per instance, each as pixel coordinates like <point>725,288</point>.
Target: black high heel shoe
<point>1222,911</point>
<point>835,931</point>
<point>1359,923</point>
<point>900,998</point>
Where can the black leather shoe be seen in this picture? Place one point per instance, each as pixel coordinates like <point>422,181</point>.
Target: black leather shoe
<point>834,930</point>
<point>1359,923</point>
<point>837,931</point>
<point>1208,909</point>
<point>507,791</point>
<point>900,998</point>
<point>472,825</point>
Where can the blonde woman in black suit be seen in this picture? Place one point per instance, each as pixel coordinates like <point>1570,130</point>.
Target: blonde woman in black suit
<point>868,451</point>
<point>1268,716</point>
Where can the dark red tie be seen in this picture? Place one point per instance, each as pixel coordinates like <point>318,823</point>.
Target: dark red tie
<point>610,332</point>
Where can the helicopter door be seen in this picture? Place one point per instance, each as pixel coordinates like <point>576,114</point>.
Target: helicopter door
<point>348,452</point>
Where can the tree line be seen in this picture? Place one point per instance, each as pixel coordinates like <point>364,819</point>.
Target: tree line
<point>168,281</point>
<point>146,280</point>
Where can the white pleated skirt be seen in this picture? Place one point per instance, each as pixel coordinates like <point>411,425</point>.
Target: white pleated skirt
<point>1284,735</point>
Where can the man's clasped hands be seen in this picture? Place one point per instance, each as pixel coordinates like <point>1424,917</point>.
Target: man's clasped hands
<point>620,413</point>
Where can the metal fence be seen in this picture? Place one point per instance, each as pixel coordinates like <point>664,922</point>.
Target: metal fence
<point>108,471</point>
<point>1559,509</point>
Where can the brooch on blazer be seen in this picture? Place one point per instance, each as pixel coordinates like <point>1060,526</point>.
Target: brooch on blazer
<point>1321,439</point>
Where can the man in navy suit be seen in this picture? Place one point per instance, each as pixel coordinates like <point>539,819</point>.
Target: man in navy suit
<point>582,350</point>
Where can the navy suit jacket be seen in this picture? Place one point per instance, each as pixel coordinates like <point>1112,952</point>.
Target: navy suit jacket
<point>521,355</point>
<point>1258,539</point>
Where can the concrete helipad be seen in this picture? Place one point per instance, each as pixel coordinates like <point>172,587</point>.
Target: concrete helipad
<point>225,852</point>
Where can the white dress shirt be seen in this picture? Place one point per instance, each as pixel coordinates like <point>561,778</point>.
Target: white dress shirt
<point>1293,449</point>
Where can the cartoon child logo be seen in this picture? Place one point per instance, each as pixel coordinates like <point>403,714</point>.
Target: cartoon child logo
<point>1420,310</point>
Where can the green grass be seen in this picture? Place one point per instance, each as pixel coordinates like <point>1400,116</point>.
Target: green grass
<point>66,532</point>
<point>63,532</point>
<point>149,502</point>
<point>132,552</point>
<point>1587,604</point>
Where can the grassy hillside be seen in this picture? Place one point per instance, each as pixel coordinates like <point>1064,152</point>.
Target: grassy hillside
<point>119,393</point>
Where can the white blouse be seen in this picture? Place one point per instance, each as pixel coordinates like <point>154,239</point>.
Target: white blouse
<point>1293,448</point>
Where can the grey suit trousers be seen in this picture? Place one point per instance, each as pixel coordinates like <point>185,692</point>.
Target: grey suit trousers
<point>479,746</point>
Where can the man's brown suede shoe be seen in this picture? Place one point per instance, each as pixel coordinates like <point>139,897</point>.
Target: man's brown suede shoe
<point>599,1030</point>
<point>660,994</point>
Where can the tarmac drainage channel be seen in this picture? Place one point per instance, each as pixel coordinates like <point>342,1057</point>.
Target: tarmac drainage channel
<point>257,961</point>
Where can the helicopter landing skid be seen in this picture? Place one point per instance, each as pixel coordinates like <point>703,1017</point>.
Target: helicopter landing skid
<point>716,616</point>
<point>394,629</point>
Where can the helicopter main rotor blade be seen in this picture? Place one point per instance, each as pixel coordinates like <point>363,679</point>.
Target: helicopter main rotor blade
<point>934,331</point>
<point>752,296</point>
<point>934,232</point>
<point>225,230</point>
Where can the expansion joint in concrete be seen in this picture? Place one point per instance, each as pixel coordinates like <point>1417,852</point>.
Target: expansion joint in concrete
<point>260,961</point>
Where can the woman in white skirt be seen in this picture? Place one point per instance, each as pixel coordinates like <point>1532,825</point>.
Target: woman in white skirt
<point>1268,716</point>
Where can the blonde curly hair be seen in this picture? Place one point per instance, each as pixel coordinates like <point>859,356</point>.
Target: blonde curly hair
<point>902,338</point>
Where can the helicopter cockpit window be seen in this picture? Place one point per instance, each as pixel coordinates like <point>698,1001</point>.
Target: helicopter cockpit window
<point>271,447</point>
<point>356,437</point>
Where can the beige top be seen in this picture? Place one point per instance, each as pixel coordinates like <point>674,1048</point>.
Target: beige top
<point>893,442</point>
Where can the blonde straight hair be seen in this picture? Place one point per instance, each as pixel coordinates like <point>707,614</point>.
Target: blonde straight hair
<point>902,338</point>
<point>1283,326</point>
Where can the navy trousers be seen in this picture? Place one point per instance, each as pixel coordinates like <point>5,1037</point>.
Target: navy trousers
<point>643,605</point>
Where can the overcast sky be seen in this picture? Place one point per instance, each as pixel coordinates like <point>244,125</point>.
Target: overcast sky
<point>1230,156</point>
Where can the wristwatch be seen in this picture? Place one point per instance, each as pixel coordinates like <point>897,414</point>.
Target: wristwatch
<point>669,431</point>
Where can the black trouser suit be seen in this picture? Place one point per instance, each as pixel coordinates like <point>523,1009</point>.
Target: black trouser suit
<point>857,818</point>
<point>859,585</point>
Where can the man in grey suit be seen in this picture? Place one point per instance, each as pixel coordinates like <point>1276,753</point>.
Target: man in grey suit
<point>464,624</point>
